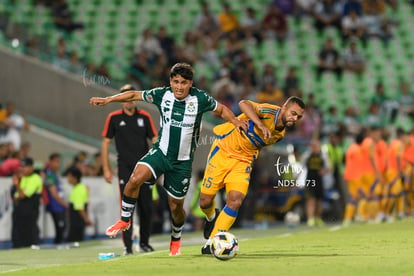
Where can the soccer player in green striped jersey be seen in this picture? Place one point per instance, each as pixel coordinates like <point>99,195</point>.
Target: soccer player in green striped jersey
<point>181,107</point>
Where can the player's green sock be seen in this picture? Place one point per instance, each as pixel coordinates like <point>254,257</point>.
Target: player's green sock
<point>225,220</point>
<point>128,205</point>
<point>176,231</point>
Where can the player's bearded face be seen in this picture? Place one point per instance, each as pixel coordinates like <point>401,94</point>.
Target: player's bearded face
<point>292,114</point>
<point>180,86</point>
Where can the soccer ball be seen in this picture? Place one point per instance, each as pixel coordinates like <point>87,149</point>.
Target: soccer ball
<point>292,219</point>
<point>224,246</point>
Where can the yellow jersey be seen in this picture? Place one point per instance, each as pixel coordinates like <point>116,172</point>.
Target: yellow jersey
<point>246,145</point>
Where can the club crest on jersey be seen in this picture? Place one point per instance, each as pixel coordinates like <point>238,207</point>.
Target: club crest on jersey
<point>140,122</point>
<point>191,107</point>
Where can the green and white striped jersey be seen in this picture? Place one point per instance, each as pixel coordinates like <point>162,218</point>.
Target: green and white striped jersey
<point>180,120</point>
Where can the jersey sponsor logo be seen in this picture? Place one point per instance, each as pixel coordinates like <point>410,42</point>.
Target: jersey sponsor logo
<point>181,124</point>
<point>122,123</point>
<point>140,122</point>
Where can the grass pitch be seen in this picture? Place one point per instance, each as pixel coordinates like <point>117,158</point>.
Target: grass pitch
<point>370,249</point>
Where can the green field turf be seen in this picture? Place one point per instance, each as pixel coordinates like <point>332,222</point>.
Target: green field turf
<point>370,249</point>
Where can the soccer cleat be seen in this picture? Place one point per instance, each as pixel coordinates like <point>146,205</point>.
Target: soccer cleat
<point>175,248</point>
<point>146,248</point>
<point>209,225</point>
<point>120,225</point>
<point>206,249</point>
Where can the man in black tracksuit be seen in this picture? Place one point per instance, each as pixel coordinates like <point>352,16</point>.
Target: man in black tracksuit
<point>132,129</point>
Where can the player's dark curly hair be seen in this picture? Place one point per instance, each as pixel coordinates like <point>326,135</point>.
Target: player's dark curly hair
<point>183,69</point>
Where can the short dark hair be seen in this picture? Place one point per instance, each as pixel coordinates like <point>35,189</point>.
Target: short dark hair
<point>75,172</point>
<point>53,156</point>
<point>296,100</point>
<point>183,69</point>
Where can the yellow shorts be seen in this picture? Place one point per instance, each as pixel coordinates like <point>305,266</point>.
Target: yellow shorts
<point>394,183</point>
<point>370,185</point>
<point>225,171</point>
<point>354,188</point>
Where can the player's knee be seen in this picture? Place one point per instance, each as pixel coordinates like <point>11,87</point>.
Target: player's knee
<point>205,202</point>
<point>234,203</point>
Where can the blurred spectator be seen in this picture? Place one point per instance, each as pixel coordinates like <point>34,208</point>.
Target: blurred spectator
<point>353,27</point>
<point>330,122</point>
<point>304,7</point>
<point>275,24</point>
<point>75,65</point>
<point>9,135</point>
<point>191,46</point>
<point>225,95</point>
<point>24,150</point>
<point>287,7</point>
<point>336,163</point>
<point>352,59</point>
<point>228,21</point>
<point>140,71</point>
<point>291,83</point>
<point>148,44</point>
<point>102,71</point>
<point>351,121</point>
<point>206,21</point>
<point>312,119</point>
<point>329,60</point>
<point>327,13</point>
<point>78,200</point>
<point>250,25</point>
<point>27,187</point>
<point>79,161</point>
<point>376,23</point>
<point>269,94</point>
<point>224,80</point>
<point>95,166</point>
<point>233,47</point>
<point>352,5</point>
<point>63,17</point>
<point>54,197</point>
<point>60,61</point>
<point>167,44</point>
<point>373,117</point>
<point>268,76</point>
<point>209,51</point>
<point>317,164</point>
<point>14,120</point>
<point>9,162</point>
<point>406,98</point>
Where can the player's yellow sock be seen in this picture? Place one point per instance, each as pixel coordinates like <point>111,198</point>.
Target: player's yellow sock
<point>400,204</point>
<point>390,204</point>
<point>225,220</point>
<point>349,211</point>
<point>210,211</point>
<point>363,209</point>
<point>373,207</point>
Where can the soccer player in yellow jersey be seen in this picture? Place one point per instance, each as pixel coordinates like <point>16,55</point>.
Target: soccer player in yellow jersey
<point>352,176</point>
<point>229,163</point>
<point>394,175</point>
<point>370,173</point>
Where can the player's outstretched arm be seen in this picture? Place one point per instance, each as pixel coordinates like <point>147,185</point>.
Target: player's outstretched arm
<point>228,115</point>
<point>247,108</point>
<point>128,96</point>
